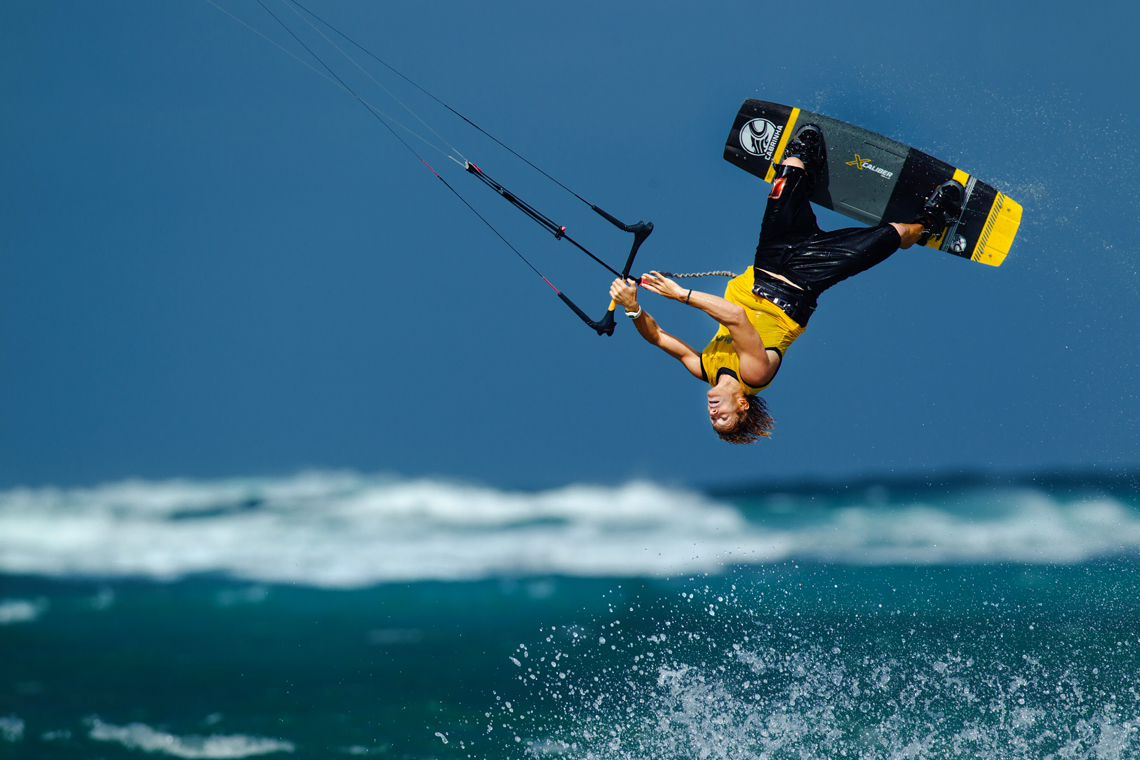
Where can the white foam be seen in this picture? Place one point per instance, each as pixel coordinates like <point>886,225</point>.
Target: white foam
<point>1022,526</point>
<point>142,736</point>
<point>345,530</point>
<point>21,610</point>
<point>11,729</point>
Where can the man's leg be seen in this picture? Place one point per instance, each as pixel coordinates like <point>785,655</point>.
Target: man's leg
<point>831,257</point>
<point>788,217</point>
<point>909,233</point>
<point>788,220</point>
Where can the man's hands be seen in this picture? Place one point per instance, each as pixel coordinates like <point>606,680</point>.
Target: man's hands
<point>625,293</point>
<point>663,286</point>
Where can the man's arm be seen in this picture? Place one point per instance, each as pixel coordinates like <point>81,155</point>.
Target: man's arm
<point>626,295</point>
<point>757,367</point>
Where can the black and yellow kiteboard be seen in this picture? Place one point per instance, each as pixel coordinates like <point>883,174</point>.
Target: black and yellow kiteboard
<point>873,179</point>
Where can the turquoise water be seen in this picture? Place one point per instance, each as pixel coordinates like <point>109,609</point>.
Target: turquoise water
<point>973,618</point>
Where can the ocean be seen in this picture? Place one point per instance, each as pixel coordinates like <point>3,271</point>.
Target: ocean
<point>332,614</point>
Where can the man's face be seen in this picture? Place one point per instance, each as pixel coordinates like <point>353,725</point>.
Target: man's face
<point>724,408</point>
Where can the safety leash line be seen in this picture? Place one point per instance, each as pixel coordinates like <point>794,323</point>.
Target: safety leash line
<point>718,273</point>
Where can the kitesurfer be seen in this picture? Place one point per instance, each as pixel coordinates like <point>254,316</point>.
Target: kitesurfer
<point>766,308</point>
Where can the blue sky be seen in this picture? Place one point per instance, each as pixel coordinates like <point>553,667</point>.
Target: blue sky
<point>214,263</point>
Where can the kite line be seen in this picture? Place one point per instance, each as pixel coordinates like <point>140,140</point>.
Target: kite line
<point>640,230</point>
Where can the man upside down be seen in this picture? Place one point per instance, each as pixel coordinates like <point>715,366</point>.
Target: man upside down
<point>766,308</point>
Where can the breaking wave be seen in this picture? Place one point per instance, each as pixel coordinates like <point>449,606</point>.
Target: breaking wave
<point>347,530</point>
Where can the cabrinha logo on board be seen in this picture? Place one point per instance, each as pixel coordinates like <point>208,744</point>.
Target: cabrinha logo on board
<point>862,163</point>
<point>759,137</point>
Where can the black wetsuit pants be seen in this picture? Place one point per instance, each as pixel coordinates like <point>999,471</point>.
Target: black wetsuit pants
<point>793,245</point>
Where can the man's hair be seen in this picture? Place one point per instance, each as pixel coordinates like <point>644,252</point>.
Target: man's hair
<point>755,423</point>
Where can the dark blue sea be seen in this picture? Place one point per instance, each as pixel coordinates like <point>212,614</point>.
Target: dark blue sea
<point>336,615</point>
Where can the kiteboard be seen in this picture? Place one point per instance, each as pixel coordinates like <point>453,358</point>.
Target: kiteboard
<point>873,179</point>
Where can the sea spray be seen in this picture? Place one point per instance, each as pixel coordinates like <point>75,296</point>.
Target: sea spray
<point>724,673</point>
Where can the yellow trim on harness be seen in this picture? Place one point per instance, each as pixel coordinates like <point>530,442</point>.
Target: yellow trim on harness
<point>778,154</point>
<point>997,236</point>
